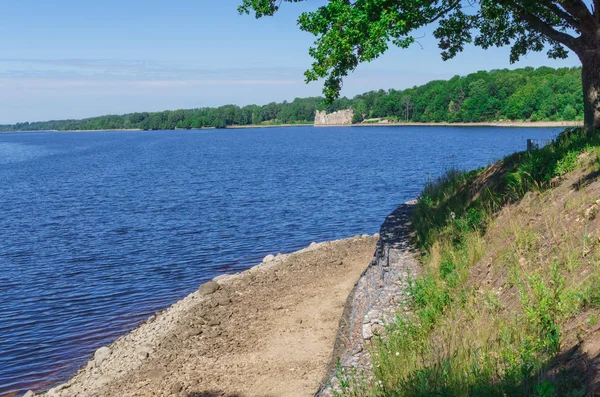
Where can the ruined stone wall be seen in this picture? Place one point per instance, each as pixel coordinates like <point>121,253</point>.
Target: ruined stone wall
<point>342,117</point>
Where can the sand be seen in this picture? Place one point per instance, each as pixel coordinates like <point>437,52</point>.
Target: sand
<point>269,331</point>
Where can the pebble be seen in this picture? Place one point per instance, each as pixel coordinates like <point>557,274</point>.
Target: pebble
<point>223,301</point>
<point>58,389</point>
<point>101,381</point>
<point>193,332</point>
<point>29,394</point>
<point>156,374</point>
<point>377,329</point>
<point>222,277</point>
<point>269,258</point>
<point>214,322</point>
<point>209,288</point>
<point>176,387</point>
<point>101,355</point>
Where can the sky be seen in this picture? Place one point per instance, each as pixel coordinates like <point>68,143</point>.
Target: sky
<point>73,59</point>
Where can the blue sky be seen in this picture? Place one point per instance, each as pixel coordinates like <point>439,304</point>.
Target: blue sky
<point>73,59</point>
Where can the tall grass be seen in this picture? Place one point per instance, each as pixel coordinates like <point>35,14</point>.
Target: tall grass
<point>457,339</point>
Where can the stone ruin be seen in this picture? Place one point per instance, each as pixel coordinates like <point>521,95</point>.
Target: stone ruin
<point>342,117</point>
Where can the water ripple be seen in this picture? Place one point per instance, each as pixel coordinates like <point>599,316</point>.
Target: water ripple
<point>98,230</point>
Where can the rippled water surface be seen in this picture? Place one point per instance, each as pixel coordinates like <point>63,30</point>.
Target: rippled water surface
<point>98,230</point>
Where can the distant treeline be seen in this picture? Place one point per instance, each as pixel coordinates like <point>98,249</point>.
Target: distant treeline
<point>542,94</point>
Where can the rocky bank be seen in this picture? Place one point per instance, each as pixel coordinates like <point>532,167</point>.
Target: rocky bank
<point>268,331</point>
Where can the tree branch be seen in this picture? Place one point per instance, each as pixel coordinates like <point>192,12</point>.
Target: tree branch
<point>446,10</point>
<point>597,10</point>
<point>549,31</point>
<point>559,12</point>
<point>579,10</point>
<point>541,26</point>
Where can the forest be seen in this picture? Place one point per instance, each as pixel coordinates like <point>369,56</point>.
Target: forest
<point>542,94</point>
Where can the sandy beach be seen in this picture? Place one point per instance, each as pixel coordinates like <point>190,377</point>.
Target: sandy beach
<point>268,331</point>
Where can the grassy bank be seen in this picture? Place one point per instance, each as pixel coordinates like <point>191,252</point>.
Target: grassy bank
<point>509,297</point>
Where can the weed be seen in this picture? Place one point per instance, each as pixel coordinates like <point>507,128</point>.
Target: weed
<point>458,342</point>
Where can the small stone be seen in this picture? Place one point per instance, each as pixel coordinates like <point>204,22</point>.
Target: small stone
<point>201,313</point>
<point>209,288</point>
<point>376,235</point>
<point>101,355</point>
<point>151,319</point>
<point>269,258</point>
<point>176,387</point>
<point>223,301</point>
<point>156,374</point>
<point>313,245</point>
<point>29,394</point>
<point>58,389</point>
<point>365,236</point>
<point>193,332</point>
<point>101,381</point>
<point>377,329</point>
<point>214,322</point>
<point>221,277</point>
<point>142,355</point>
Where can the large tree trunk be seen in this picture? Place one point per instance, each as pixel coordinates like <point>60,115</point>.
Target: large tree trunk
<point>590,60</point>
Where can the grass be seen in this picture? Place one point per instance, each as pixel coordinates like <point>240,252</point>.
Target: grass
<point>466,335</point>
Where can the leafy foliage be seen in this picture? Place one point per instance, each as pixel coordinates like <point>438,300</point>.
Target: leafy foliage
<point>522,94</point>
<point>352,32</point>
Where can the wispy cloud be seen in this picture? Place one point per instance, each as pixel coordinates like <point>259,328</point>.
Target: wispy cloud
<point>143,72</point>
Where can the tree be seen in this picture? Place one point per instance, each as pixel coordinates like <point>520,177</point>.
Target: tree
<point>407,106</point>
<point>349,32</point>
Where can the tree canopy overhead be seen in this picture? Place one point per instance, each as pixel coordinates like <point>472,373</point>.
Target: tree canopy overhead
<point>349,32</point>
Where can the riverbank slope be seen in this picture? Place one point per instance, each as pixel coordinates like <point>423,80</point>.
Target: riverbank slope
<point>507,301</point>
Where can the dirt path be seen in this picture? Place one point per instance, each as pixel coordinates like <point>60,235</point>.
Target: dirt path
<point>266,332</point>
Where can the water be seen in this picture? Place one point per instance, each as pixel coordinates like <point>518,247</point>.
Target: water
<point>98,230</point>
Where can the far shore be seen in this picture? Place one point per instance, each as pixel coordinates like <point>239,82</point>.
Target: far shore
<point>507,124</point>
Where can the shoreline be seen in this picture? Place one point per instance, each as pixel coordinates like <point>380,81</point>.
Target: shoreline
<point>230,127</point>
<point>506,124</point>
<point>283,313</point>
